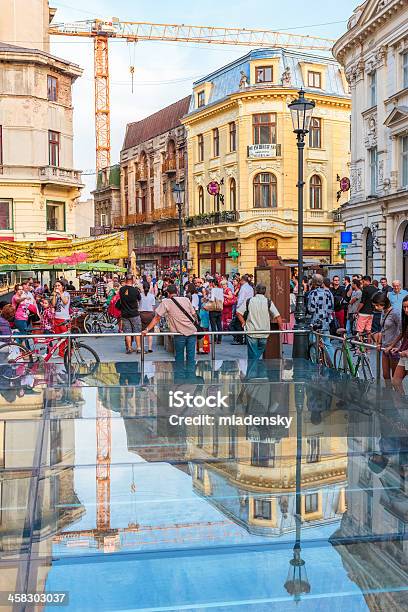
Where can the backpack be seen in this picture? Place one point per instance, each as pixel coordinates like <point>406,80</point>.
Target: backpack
<point>113,309</point>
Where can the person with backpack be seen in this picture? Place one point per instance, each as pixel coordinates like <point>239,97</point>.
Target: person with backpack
<point>255,316</point>
<point>129,306</point>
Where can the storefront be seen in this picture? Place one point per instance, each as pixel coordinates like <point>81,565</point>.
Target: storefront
<point>318,249</point>
<point>215,257</point>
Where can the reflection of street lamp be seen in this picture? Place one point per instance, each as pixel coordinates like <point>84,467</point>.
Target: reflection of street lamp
<point>301,111</point>
<point>178,195</point>
<point>297,583</point>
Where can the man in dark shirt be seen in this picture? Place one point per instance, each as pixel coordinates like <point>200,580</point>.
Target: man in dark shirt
<point>129,307</point>
<point>385,287</point>
<point>366,309</point>
<point>339,294</point>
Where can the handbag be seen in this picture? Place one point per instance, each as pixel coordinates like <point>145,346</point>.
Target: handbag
<point>334,325</point>
<point>214,306</point>
<point>191,318</point>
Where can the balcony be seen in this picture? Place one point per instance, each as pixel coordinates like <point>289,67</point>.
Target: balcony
<point>54,174</point>
<point>169,165</point>
<point>141,174</point>
<point>215,218</point>
<point>337,216</point>
<point>259,151</point>
<point>100,230</point>
<point>133,219</point>
<point>161,214</point>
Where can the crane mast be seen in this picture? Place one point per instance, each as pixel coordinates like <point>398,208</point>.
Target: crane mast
<point>134,31</point>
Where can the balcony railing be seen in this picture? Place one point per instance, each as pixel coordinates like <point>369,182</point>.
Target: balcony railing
<point>141,173</point>
<point>169,165</point>
<point>100,230</point>
<point>337,216</point>
<point>60,175</point>
<point>215,218</point>
<point>133,219</point>
<point>164,213</point>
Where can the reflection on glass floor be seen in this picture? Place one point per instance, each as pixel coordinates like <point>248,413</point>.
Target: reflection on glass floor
<point>103,498</point>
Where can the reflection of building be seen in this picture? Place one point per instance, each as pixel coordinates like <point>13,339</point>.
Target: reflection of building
<point>152,160</point>
<point>376,521</point>
<point>38,185</point>
<point>374,52</point>
<point>250,475</point>
<point>240,136</point>
<point>28,441</point>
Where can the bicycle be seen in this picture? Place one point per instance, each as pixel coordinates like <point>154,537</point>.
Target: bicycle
<point>318,354</point>
<point>100,322</point>
<point>16,359</point>
<point>353,358</point>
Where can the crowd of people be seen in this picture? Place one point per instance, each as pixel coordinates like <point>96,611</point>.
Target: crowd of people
<point>358,306</point>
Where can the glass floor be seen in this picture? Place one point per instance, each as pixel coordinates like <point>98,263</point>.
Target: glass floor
<point>289,491</point>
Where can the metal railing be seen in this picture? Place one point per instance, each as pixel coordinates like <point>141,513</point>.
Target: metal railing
<point>40,338</point>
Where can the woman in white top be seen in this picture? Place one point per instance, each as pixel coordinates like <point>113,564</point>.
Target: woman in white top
<point>216,294</point>
<point>147,306</point>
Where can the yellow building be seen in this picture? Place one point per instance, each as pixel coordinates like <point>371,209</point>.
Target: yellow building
<point>240,136</point>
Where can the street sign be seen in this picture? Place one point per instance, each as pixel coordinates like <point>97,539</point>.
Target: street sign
<point>346,237</point>
<point>213,188</point>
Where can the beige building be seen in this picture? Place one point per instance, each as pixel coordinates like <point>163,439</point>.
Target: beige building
<point>374,53</point>
<point>38,183</point>
<point>240,138</point>
<point>152,161</point>
<point>107,200</point>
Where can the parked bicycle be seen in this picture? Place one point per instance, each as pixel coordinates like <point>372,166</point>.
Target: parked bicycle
<point>16,358</point>
<point>352,357</point>
<point>317,350</point>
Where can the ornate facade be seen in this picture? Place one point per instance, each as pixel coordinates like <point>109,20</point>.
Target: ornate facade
<point>240,137</point>
<point>374,53</point>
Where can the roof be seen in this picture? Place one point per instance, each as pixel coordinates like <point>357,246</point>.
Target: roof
<point>163,121</point>
<point>7,48</point>
<point>225,80</point>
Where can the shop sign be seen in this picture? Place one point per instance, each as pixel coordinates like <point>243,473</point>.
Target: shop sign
<point>263,150</point>
<point>317,244</point>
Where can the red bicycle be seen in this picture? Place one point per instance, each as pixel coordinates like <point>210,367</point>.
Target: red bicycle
<point>16,357</point>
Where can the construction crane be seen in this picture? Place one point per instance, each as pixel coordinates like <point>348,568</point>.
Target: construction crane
<point>101,31</point>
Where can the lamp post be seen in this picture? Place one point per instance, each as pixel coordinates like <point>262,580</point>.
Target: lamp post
<point>178,195</point>
<point>297,583</point>
<point>301,110</point>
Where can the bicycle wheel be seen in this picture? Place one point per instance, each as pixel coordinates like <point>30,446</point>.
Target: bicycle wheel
<point>91,323</point>
<point>15,361</point>
<point>84,360</point>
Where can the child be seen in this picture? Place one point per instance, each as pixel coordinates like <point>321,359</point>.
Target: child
<point>47,316</point>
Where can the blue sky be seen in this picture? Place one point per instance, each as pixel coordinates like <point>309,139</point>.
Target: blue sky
<point>157,63</point>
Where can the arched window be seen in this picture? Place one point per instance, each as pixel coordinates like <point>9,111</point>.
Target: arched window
<point>316,192</point>
<point>171,149</point>
<point>369,253</point>
<point>265,190</point>
<point>200,201</point>
<point>233,194</point>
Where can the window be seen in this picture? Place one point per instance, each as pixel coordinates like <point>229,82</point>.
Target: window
<point>200,140</point>
<point>200,473</point>
<point>216,142</point>
<point>1,145</point>
<point>372,88</point>
<point>404,161</point>
<point>372,153</point>
<point>201,209</point>
<point>52,84</point>
<point>264,74</point>
<point>233,136</point>
<point>369,253</point>
<point>311,503</point>
<point>233,194</point>
<point>6,214</point>
<point>314,79</point>
<point>405,70</point>
<point>313,449</point>
<point>201,98</point>
<point>262,509</point>
<point>263,454</point>
<point>265,190</point>
<point>264,128</point>
<point>53,148</point>
<point>315,133</point>
<point>56,216</point>
<point>316,192</point>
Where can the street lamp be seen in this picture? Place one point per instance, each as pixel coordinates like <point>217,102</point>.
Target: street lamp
<point>178,195</point>
<point>301,110</point>
<point>297,583</point>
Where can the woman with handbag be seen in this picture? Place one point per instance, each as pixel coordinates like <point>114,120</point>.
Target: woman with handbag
<point>229,301</point>
<point>215,306</point>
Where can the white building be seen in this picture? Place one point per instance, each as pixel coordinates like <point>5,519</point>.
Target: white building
<point>374,52</point>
